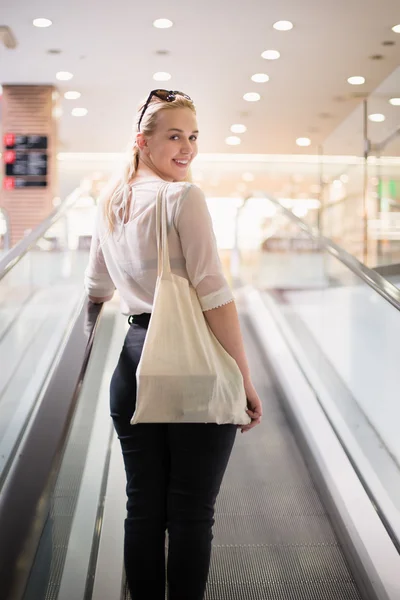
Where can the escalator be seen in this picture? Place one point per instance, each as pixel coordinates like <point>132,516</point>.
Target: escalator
<point>305,510</point>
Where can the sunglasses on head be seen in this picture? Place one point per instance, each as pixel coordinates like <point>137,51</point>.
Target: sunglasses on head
<point>166,95</point>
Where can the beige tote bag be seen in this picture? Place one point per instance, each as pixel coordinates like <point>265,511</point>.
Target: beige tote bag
<point>184,375</point>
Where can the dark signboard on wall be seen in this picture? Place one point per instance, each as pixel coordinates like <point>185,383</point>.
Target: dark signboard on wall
<point>13,183</point>
<point>25,142</point>
<point>31,164</point>
<point>25,161</point>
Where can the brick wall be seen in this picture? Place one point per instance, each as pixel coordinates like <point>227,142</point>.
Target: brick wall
<point>29,110</point>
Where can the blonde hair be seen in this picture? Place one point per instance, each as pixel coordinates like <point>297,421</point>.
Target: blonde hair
<point>147,127</point>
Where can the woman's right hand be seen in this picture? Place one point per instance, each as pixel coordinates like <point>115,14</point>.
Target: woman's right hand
<point>254,407</point>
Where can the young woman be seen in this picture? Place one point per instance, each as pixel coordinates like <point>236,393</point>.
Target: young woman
<point>173,471</point>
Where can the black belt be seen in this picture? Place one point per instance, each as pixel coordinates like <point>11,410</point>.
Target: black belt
<point>142,320</point>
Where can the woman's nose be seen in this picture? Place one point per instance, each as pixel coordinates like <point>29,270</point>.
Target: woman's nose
<point>186,148</point>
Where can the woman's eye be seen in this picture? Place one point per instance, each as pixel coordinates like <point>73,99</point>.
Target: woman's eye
<point>192,138</point>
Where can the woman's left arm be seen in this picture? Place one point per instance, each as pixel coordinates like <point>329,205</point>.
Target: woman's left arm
<point>98,283</point>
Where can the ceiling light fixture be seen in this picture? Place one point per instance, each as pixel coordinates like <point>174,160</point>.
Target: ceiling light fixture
<point>42,22</point>
<point>64,76</point>
<point>238,128</point>
<point>271,54</point>
<point>72,95</point>
<point>283,25</point>
<point>162,76</point>
<point>252,97</point>
<point>260,78</point>
<point>162,23</point>
<point>377,118</point>
<point>396,28</point>
<point>303,141</point>
<point>356,80</point>
<point>79,112</point>
<point>233,140</point>
<point>395,101</point>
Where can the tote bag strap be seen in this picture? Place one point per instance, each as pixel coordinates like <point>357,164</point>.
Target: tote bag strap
<point>164,266</point>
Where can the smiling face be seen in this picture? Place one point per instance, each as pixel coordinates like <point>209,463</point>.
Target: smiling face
<point>172,146</point>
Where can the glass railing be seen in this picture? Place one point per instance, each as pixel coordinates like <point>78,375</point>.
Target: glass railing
<point>40,288</point>
<point>361,203</point>
<point>342,322</point>
<point>51,451</point>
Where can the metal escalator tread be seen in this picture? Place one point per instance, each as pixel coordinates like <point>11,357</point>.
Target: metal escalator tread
<point>272,537</point>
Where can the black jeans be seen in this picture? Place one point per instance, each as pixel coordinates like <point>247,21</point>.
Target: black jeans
<point>174,473</point>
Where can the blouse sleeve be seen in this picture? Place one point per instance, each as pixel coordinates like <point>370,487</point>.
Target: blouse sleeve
<point>193,223</point>
<point>98,282</point>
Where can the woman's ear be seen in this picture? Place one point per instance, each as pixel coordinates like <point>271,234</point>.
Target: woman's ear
<point>141,142</point>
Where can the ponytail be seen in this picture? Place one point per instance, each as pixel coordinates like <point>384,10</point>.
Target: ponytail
<point>116,197</point>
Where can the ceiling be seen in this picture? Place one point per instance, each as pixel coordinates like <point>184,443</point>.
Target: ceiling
<point>348,137</point>
<point>213,49</point>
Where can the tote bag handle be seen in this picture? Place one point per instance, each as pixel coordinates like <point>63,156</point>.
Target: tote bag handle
<point>164,265</point>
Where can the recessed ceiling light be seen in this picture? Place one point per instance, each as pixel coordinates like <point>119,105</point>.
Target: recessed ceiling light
<point>238,128</point>
<point>395,101</point>
<point>377,118</point>
<point>248,176</point>
<point>72,95</point>
<point>270,54</point>
<point>252,97</point>
<point>303,141</point>
<point>42,22</point>
<point>260,78</point>
<point>233,140</point>
<point>162,76</point>
<point>79,112</point>
<point>283,25</point>
<point>64,76</point>
<point>357,80</point>
<point>396,28</point>
<point>162,23</point>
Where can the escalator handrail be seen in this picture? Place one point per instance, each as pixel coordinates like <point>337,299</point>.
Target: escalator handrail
<point>28,486</point>
<point>14,255</point>
<point>391,270</point>
<point>371,277</point>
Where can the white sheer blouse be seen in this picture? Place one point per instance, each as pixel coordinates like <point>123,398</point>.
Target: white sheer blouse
<point>126,259</point>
